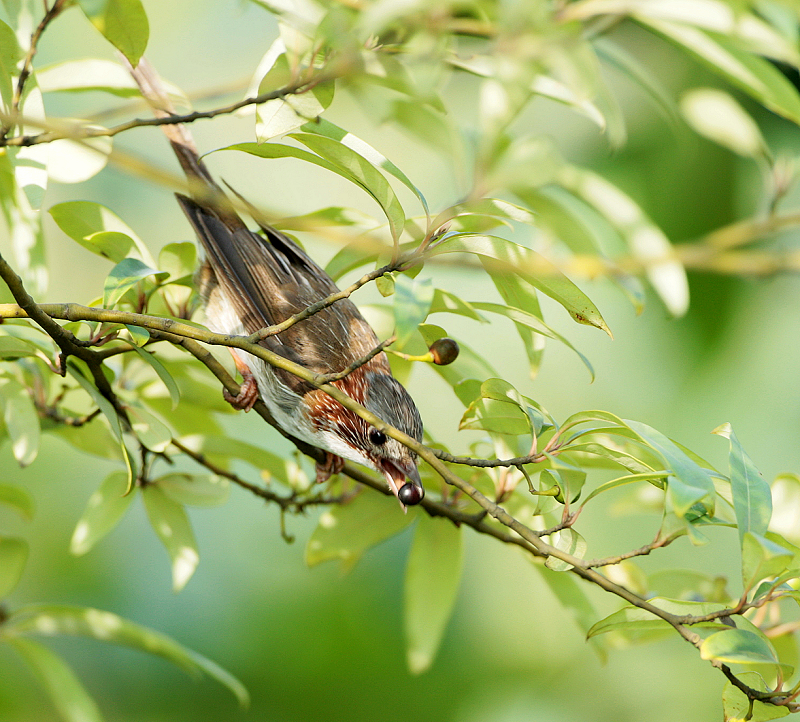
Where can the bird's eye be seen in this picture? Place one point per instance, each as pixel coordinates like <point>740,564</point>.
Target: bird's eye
<point>377,437</point>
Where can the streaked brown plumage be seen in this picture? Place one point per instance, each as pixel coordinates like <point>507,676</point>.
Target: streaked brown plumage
<point>250,281</point>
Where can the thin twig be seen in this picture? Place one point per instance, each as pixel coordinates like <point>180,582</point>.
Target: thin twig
<point>27,64</point>
<point>330,378</point>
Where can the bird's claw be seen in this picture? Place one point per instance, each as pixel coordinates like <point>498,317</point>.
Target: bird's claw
<point>247,396</point>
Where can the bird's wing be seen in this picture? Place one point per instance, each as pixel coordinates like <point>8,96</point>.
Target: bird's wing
<point>268,279</point>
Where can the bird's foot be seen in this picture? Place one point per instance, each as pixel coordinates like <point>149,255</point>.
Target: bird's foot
<point>329,467</point>
<point>248,391</point>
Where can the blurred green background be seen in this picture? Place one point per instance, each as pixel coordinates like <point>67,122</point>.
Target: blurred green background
<point>317,644</point>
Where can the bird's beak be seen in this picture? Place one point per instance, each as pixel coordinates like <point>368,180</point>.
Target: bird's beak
<point>396,473</point>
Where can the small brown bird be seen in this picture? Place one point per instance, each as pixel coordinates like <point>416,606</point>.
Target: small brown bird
<point>249,281</point>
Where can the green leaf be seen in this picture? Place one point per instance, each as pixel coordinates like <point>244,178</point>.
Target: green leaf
<point>103,512</point>
<point>139,336</point>
<point>501,417</point>
<point>753,74</point>
<point>66,691</point>
<point>446,302</point>
<point>518,293</point>
<point>738,646</point>
<point>122,22</point>
<point>690,483</point>
<point>752,498</point>
<point>638,72</point>
<point>528,320</point>
<point>13,348</point>
<point>385,195</point>
<point>21,420</point>
<point>113,245</point>
<point>412,302</point>
<point>433,574</point>
<point>348,530</point>
<point>166,377</point>
<point>329,130</point>
<point>204,490</point>
<point>24,174</point>
<point>150,431</point>
<point>123,277</point>
<point>17,499</point>
<point>715,115</point>
<point>10,55</point>
<point>179,260</point>
<point>282,115</point>
<point>80,220</point>
<point>531,266</point>
<point>762,558</point>
<point>568,541</point>
<point>13,556</point>
<point>633,620</point>
<point>105,626</point>
<point>170,522</point>
<point>737,707</point>
<point>624,480</point>
<point>646,241</point>
<point>355,166</point>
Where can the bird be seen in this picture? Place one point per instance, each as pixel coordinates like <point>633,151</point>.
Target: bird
<point>251,280</point>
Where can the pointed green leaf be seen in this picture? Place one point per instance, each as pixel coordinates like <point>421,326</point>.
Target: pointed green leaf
<point>348,530</point>
<point>762,558</point>
<point>13,556</point>
<point>716,115</point>
<point>752,498</point>
<point>87,74</point>
<point>166,377</point>
<point>531,266</point>
<point>330,130</point>
<point>105,626</point>
<point>65,689</point>
<point>170,522</point>
<point>282,115</point>
<point>21,420</point>
<point>123,277</point>
<point>14,348</point>
<point>10,55</point>
<point>103,512</point>
<point>360,169</point>
<point>80,220</point>
<point>624,480</point>
<point>113,245</point>
<point>738,646</point>
<point>690,483</point>
<point>433,575</point>
<point>636,620</point>
<point>528,320</point>
<point>647,242</point>
<point>179,260</point>
<point>501,417</point>
<point>446,302</point>
<point>737,707</point>
<point>122,22</point>
<point>382,192</point>
<point>753,74</point>
<point>568,541</point>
